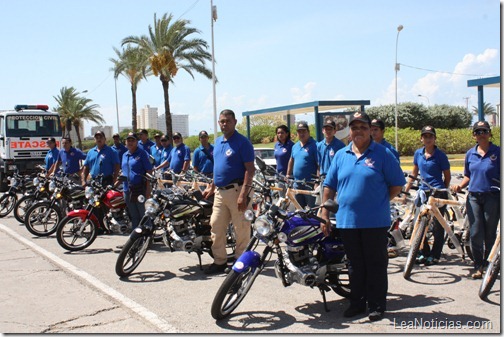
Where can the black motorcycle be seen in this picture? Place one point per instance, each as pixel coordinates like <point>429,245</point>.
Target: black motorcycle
<point>310,259</point>
<point>42,217</point>
<point>18,184</point>
<point>39,192</point>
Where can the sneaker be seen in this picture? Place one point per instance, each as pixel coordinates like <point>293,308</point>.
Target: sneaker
<point>392,253</point>
<point>430,261</point>
<point>478,274</point>
<point>354,310</point>
<point>420,260</point>
<point>215,269</point>
<point>375,315</point>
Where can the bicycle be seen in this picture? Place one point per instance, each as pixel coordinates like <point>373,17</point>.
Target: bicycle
<point>429,211</point>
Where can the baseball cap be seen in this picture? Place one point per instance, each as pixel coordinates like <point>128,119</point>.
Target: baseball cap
<point>378,122</point>
<point>52,139</point>
<point>428,129</point>
<point>481,125</point>
<point>329,122</point>
<point>143,131</point>
<point>99,132</point>
<point>116,135</point>
<point>177,134</point>
<point>157,135</point>
<point>132,135</point>
<point>359,117</point>
<point>302,126</point>
<point>203,133</point>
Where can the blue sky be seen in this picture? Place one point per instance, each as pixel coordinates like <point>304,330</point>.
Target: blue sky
<point>268,52</point>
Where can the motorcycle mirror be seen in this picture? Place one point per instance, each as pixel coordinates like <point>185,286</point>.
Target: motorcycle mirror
<point>331,205</point>
<point>260,163</point>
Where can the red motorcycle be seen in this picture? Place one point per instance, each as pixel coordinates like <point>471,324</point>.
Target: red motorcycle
<point>105,213</point>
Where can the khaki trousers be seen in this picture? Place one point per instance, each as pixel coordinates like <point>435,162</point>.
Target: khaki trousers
<point>224,211</point>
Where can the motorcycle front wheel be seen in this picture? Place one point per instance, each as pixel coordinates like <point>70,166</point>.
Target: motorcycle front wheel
<point>42,219</point>
<point>7,203</point>
<point>415,247</point>
<point>232,291</point>
<point>74,233</point>
<point>132,254</point>
<point>341,284</point>
<point>22,206</point>
<point>492,271</point>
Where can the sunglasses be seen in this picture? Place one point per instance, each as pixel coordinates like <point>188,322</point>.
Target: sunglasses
<point>176,137</point>
<point>481,132</point>
<point>164,140</point>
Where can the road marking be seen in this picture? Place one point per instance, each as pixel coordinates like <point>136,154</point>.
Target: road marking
<point>151,317</point>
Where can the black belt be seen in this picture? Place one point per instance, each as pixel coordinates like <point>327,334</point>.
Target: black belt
<point>230,186</point>
<point>484,193</point>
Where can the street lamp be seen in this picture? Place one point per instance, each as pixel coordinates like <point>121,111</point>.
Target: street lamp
<point>428,102</point>
<point>117,107</point>
<point>399,28</point>
<point>212,19</point>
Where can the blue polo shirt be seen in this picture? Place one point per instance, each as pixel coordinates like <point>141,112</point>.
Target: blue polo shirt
<point>134,166</point>
<point>363,186</point>
<point>165,155</point>
<point>483,169</point>
<point>431,169</point>
<point>305,160</point>
<point>391,148</point>
<point>230,157</point>
<point>282,155</point>
<point>326,152</point>
<point>178,156</point>
<point>51,158</point>
<point>147,146</point>
<point>157,153</point>
<point>121,149</point>
<point>201,161</point>
<point>70,160</point>
<point>101,161</point>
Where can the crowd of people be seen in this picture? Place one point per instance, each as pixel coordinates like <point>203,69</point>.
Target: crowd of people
<point>362,176</point>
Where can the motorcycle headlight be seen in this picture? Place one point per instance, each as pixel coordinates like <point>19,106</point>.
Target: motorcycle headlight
<point>36,181</point>
<point>88,192</point>
<point>263,226</point>
<point>249,215</point>
<point>151,206</point>
<point>52,186</point>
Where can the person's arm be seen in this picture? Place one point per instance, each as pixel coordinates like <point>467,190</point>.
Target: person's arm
<point>163,164</point>
<point>246,187</point>
<point>463,184</point>
<point>447,178</point>
<point>148,186</point>
<point>329,193</point>
<point>414,173</point>
<point>290,166</point>
<point>185,166</point>
<point>85,173</point>
<point>53,168</point>
<point>117,167</point>
<point>394,191</point>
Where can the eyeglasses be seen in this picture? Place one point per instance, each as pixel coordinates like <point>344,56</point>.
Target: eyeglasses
<point>481,132</point>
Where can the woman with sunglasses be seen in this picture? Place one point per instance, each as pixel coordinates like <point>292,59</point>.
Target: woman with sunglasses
<point>481,170</point>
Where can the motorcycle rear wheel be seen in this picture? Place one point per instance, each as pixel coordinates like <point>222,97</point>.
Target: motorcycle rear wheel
<point>132,254</point>
<point>22,206</point>
<point>492,271</point>
<point>415,247</point>
<point>342,286</point>
<point>7,203</point>
<point>34,215</point>
<point>68,235</point>
<point>232,291</point>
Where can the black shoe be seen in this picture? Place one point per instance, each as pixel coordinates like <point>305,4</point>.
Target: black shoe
<point>354,310</point>
<point>375,315</point>
<point>215,269</point>
<point>120,247</point>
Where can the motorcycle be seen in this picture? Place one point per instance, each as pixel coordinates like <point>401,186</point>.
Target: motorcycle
<point>40,192</point>
<point>18,184</point>
<point>42,217</point>
<point>106,212</point>
<point>310,259</point>
<point>183,218</point>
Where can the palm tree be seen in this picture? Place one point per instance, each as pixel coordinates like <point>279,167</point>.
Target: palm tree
<point>169,48</point>
<point>64,100</point>
<point>133,65</point>
<point>488,109</point>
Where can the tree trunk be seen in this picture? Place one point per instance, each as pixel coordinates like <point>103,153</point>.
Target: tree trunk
<point>69,127</point>
<point>77,131</point>
<point>133,109</point>
<point>168,118</point>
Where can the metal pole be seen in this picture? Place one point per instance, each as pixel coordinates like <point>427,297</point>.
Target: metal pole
<point>399,28</point>
<point>213,17</point>
<point>117,108</point>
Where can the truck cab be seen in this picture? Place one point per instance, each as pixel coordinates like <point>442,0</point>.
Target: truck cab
<point>24,132</point>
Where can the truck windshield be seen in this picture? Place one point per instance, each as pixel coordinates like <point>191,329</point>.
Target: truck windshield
<point>33,125</point>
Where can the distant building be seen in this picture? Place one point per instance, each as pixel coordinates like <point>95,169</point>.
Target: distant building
<point>180,123</point>
<point>147,118</point>
<point>107,130</point>
<point>122,128</point>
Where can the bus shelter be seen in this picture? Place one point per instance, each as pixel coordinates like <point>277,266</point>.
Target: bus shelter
<point>320,109</point>
<point>491,82</point>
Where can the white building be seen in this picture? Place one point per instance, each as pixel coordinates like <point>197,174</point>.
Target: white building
<point>147,118</point>
<point>107,130</point>
<point>180,123</point>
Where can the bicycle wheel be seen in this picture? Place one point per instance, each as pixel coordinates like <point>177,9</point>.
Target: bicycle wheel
<point>415,246</point>
<point>132,254</point>
<point>75,234</point>
<point>492,271</point>
<point>22,206</point>
<point>42,219</point>
<point>7,203</point>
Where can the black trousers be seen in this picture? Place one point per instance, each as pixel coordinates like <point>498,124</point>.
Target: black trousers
<point>367,251</point>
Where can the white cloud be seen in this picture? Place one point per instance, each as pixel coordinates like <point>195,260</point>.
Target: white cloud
<point>305,94</point>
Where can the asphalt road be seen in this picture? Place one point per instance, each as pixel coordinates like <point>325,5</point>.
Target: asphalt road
<point>45,289</point>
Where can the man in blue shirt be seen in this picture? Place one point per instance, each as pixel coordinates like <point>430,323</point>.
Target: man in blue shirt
<point>283,148</point>
<point>203,155</point>
<point>101,159</point>
<point>303,164</point>
<point>118,146</point>
<point>233,173</point>
<point>327,147</point>
<point>377,132</point>
<point>69,157</point>
<point>366,177</point>
<point>180,156</point>
<point>167,147</point>
<point>144,142</point>
<point>157,150</point>
<point>52,155</point>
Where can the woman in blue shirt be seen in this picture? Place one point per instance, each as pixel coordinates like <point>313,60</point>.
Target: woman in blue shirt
<point>283,148</point>
<point>434,168</point>
<point>482,175</point>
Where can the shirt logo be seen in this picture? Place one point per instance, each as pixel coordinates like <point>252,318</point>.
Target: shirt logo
<point>137,158</point>
<point>229,152</point>
<point>178,151</point>
<point>72,154</point>
<point>331,153</point>
<point>357,114</point>
<point>102,156</point>
<point>369,162</point>
<point>493,157</point>
<point>306,150</point>
<point>284,150</point>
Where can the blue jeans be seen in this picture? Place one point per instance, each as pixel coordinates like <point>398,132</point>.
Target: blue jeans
<point>136,210</point>
<point>483,212</point>
<point>303,199</point>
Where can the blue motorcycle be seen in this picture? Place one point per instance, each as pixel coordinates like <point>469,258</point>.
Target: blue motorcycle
<point>304,256</point>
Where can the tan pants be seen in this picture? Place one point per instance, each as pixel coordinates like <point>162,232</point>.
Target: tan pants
<point>225,210</point>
